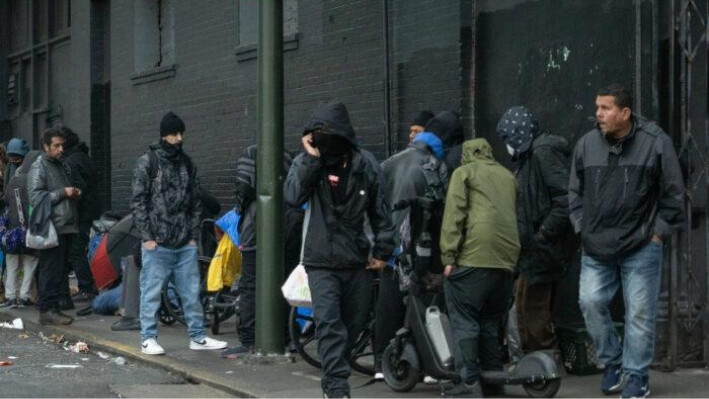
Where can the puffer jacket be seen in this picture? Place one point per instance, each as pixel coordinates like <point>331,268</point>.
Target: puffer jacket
<point>542,210</point>
<point>84,177</point>
<point>336,236</point>
<point>166,209</point>
<point>51,177</point>
<point>622,193</point>
<point>245,205</point>
<point>480,224</point>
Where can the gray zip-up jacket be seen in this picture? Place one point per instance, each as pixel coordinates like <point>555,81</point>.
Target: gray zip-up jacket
<point>621,194</point>
<point>50,176</point>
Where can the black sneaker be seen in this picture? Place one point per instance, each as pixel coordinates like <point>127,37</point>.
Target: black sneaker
<point>126,324</point>
<point>613,379</point>
<point>637,387</point>
<point>9,303</point>
<point>234,353</point>
<point>463,390</point>
<point>25,303</point>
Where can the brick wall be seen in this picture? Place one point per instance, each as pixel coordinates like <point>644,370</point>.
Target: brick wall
<point>339,56</point>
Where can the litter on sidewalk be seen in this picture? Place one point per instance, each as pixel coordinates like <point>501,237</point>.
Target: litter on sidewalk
<point>5,363</point>
<point>79,347</point>
<point>63,366</point>
<point>16,324</point>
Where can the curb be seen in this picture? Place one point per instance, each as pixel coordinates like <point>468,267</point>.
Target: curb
<point>191,374</point>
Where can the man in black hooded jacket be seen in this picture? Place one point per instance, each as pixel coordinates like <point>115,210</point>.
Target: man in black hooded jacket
<point>344,188</point>
<point>545,234</point>
<point>83,176</point>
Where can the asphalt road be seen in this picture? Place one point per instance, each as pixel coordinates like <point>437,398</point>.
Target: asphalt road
<point>43,368</point>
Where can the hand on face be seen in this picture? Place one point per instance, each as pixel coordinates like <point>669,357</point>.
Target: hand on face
<point>307,141</point>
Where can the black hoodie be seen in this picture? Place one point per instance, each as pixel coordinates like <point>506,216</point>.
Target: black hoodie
<point>336,236</point>
<point>446,125</point>
<point>83,177</point>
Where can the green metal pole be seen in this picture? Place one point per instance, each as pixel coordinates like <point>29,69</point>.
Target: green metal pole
<point>270,311</point>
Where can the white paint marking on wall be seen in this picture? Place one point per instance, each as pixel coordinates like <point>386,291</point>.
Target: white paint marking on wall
<point>552,64</point>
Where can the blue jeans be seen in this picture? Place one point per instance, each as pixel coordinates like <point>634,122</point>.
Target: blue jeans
<point>180,266</point>
<point>640,275</point>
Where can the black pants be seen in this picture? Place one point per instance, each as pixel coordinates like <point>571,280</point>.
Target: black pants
<point>477,298</point>
<point>247,289</point>
<point>390,312</point>
<point>53,273</point>
<point>79,261</point>
<point>341,300</point>
<point>247,304</point>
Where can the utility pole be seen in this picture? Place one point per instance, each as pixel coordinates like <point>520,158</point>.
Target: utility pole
<point>270,312</point>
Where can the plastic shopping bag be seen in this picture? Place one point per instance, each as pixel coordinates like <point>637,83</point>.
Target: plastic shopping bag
<point>296,289</point>
<point>225,266</point>
<point>38,242</point>
<point>229,223</point>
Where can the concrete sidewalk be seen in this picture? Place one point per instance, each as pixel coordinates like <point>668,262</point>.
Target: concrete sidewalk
<point>296,379</point>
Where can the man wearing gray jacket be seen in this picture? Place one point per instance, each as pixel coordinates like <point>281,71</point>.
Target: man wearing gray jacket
<point>625,198</point>
<point>49,188</point>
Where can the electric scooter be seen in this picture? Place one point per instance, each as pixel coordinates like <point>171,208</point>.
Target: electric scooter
<point>412,352</point>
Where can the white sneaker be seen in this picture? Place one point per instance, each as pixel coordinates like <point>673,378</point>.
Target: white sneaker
<point>151,347</point>
<point>207,344</point>
<point>428,380</point>
<point>379,376</point>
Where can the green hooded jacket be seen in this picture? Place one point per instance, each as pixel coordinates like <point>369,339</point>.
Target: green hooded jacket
<point>480,220</point>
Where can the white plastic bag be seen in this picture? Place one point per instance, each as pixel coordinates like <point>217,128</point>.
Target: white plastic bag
<point>296,289</point>
<point>38,242</point>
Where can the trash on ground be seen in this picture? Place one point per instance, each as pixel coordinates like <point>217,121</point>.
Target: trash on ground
<point>79,347</point>
<point>229,372</point>
<point>85,359</point>
<point>57,339</point>
<point>23,336</point>
<point>63,366</point>
<point>103,355</point>
<point>12,357</point>
<point>119,361</point>
<point>5,363</point>
<point>16,324</point>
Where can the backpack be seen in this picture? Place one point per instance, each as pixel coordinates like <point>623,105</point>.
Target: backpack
<point>154,164</point>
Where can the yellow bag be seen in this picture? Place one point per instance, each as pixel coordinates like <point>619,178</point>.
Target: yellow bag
<point>225,266</point>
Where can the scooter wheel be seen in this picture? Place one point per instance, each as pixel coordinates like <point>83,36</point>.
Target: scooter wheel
<point>399,374</point>
<point>543,389</point>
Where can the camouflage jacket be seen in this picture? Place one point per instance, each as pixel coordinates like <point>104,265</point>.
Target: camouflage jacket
<point>166,208</point>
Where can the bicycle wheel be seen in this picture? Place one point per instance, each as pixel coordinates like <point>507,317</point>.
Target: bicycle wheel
<point>362,352</point>
<point>302,334</point>
<point>221,308</point>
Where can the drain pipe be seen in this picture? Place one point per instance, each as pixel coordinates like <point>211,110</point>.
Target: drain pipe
<point>387,92</point>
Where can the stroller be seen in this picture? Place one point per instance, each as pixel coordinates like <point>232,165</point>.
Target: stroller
<point>424,345</point>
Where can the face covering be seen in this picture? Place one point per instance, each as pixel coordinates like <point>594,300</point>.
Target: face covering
<point>171,150</point>
<point>332,148</point>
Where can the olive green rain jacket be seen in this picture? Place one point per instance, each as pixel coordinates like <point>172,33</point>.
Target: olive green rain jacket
<point>480,220</point>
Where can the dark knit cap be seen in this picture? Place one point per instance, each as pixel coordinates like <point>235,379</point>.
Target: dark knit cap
<point>422,118</point>
<point>171,124</point>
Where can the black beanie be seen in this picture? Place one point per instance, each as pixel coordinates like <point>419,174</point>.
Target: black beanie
<point>171,124</point>
<point>422,118</point>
